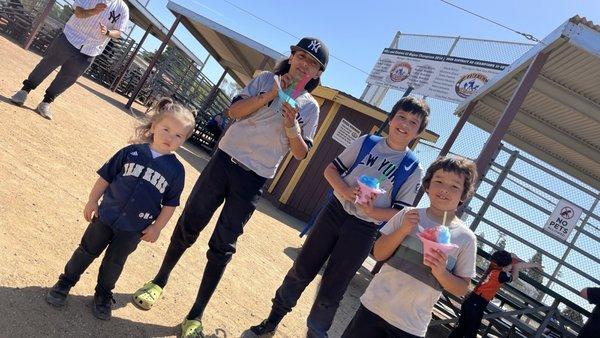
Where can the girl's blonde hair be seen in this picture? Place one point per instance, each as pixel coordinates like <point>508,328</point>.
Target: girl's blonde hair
<point>164,107</point>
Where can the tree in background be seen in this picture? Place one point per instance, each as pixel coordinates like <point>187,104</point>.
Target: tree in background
<point>481,262</point>
<point>230,88</point>
<point>501,243</point>
<point>573,315</point>
<point>534,273</point>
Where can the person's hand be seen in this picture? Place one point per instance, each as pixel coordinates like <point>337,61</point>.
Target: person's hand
<point>437,261</point>
<point>409,221</point>
<point>272,94</point>
<point>368,207</point>
<point>103,30</point>
<point>151,233</point>
<point>285,81</point>
<point>583,293</point>
<point>90,211</point>
<point>100,7</point>
<point>289,114</point>
<point>349,193</point>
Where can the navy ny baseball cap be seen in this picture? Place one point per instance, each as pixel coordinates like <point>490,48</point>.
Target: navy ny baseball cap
<point>314,47</point>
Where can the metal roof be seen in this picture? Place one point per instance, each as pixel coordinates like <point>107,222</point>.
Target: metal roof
<point>240,55</point>
<point>139,15</point>
<point>559,121</point>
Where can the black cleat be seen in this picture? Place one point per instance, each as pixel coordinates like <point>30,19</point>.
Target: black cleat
<point>57,296</point>
<point>102,306</point>
<point>264,329</point>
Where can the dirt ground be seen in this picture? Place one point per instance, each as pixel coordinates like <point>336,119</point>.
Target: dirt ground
<point>46,171</point>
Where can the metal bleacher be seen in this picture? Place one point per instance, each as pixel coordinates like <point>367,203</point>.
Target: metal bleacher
<point>178,74</point>
<point>513,313</point>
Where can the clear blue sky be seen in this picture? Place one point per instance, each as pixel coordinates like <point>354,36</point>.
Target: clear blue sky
<point>357,31</point>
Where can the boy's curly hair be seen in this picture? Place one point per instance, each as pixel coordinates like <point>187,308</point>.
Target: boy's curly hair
<point>501,258</point>
<point>458,165</point>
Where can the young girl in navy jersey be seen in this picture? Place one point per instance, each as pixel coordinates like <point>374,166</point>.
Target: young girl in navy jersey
<point>140,188</point>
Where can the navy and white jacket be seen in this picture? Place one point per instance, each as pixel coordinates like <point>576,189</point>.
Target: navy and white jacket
<point>139,186</point>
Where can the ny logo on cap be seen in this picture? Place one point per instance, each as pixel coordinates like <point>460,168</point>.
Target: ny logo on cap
<point>315,45</point>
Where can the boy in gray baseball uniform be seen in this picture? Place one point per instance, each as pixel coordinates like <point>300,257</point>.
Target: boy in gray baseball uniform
<point>265,129</point>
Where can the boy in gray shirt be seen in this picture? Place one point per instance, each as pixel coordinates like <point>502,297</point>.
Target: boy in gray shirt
<point>399,300</point>
<point>344,231</point>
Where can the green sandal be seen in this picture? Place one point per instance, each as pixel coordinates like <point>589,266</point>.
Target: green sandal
<point>191,328</point>
<point>147,295</point>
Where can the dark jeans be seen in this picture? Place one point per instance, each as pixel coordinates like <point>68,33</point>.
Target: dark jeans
<point>72,64</point>
<point>471,314</point>
<point>97,237</point>
<point>221,180</point>
<point>367,324</point>
<point>344,239</point>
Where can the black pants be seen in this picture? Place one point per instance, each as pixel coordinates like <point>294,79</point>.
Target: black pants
<point>344,239</point>
<point>98,236</point>
<point>367,324</point>
<point>72,64</point>
<point>221,180</point>
<point>471,314</point>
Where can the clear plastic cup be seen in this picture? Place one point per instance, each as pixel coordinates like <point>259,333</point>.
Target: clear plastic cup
<point>366,192</point>
<point>286,98</point>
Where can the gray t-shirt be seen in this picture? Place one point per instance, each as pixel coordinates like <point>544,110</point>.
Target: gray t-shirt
<point>378,164</point>
<point>258,140</point>
<point>404,292</point>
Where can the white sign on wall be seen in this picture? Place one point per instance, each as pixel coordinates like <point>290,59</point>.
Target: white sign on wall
<point>563,220</point>
<point>345,133</point>
<point>444,77</point>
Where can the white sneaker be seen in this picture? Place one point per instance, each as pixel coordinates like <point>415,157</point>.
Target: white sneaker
<point>19,97</point>
<point>44,109</point>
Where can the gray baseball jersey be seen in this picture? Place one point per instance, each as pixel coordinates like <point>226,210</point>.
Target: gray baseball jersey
<point>258,140</point>
<point>404,292</point>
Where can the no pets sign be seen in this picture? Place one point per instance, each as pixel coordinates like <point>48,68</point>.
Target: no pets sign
<point>563,220</point>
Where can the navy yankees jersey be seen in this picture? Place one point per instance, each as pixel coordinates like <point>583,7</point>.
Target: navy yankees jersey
<point>139,186</point>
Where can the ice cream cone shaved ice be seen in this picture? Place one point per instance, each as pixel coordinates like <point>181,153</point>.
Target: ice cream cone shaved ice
<point>443,235</point>
<point>430,234</point>
<point>369,181</point>
<point>438,234</point>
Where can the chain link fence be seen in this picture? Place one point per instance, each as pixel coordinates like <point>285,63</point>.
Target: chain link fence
<point>517,195</point>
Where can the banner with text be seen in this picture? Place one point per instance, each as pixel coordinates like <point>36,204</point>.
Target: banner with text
<point>447,78</point>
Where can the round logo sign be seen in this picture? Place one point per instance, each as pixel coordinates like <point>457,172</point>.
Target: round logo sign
<point>400,71</point>
<point>469,83</point>
<point>567,213</point>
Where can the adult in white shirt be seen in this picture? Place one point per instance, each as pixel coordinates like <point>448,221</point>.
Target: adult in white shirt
<point>86,34</point>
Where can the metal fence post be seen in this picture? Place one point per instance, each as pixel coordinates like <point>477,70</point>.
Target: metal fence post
<point>37,24</point>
